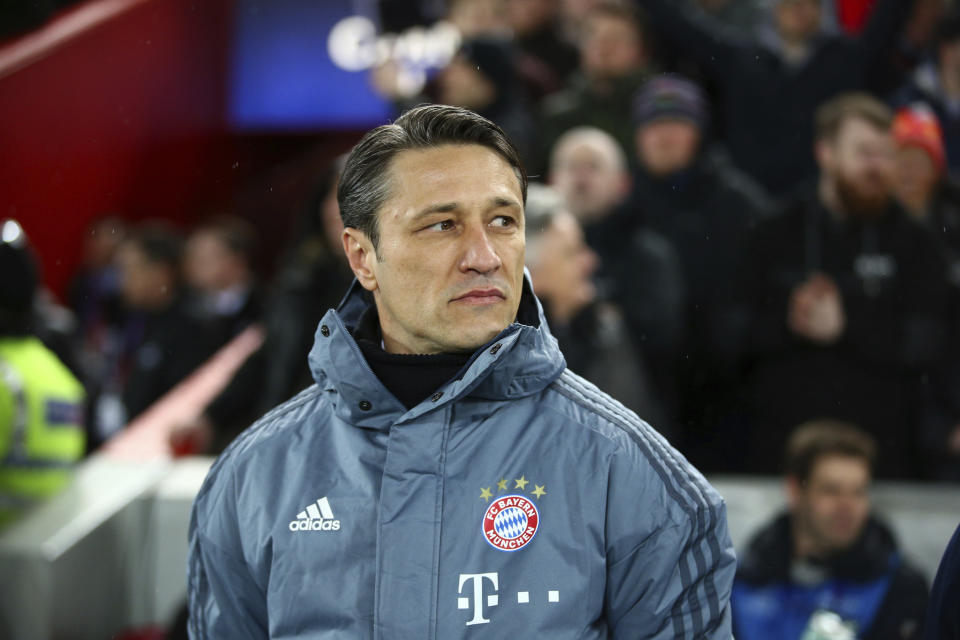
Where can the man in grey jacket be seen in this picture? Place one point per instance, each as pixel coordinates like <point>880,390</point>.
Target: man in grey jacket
<point>446,476</point>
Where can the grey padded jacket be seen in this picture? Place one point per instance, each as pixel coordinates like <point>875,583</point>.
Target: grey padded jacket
<point>518,501</point>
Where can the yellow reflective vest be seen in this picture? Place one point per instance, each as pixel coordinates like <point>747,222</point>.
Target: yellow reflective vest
<point>41,424</point>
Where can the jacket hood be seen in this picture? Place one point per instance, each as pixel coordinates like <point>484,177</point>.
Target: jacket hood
<point>521,361</point>
<point>769,554</point>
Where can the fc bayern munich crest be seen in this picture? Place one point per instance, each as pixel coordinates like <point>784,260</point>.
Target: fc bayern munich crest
<point>510,523</point>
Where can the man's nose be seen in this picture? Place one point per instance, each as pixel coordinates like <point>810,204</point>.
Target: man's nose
<point>479,254</point>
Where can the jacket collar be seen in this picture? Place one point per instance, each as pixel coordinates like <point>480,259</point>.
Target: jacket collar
<point>522,360</point>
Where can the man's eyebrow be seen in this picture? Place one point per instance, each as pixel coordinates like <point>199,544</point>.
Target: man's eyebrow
<point>504,202</point>
<point>442,207</point>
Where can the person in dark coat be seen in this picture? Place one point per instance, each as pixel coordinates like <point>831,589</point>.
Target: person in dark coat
<point>613,63</point>
<point>827,567</point>
<point>312,278</point>
<point>219,268</point>
<point>943,616</point>
<point>932,199</point>
<point>591,332</point>
<point>483,77</point>
<point>639,269</point>
<point>848,298</point>
<point>691,194</point>
<point>163,339</point>
<point>770,85</point>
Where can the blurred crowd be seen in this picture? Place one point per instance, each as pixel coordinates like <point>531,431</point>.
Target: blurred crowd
<point>747,218</point>
<point>743,217</point>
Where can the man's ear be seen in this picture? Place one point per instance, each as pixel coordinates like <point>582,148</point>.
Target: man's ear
<point>361,256</point>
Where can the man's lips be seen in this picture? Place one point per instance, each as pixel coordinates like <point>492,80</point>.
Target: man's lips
<point>481,296</point>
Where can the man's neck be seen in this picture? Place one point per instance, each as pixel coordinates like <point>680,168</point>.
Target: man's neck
<point>411,378</point>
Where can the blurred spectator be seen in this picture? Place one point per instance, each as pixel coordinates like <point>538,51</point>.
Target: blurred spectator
<point>639,269</point>
<point>474,18</point>
<point>771,84</point>
<point>547,55</point>
<point>849,301</point>
<point>219,267</point>
<point>933,200</point>
<point>613,62</point>
<point>482,77</point>
<point>589,169</point>
<point>742,15</point>
<point>943,616</point>
<point>937,83</point>
<point>705,208</point>
<point>921,183</point>
<point>164,340</point>
<point>573,14</point>
<point>591,332</point>
<point>94,293</point>
<point>41,403</point>
<point>314,278</point>
<point>828,567</point>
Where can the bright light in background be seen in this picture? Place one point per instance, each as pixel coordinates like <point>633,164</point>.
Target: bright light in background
<point>12,233</point>
<point>305,65</point>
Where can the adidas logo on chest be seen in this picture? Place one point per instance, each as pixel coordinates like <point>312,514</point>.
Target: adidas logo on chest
<point>318,516</point>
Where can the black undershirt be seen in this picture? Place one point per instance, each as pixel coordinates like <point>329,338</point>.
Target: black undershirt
<point>411,378</point>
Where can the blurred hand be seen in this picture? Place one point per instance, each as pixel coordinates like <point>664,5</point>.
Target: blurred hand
<point>192,438</point>
<point>815,310</point>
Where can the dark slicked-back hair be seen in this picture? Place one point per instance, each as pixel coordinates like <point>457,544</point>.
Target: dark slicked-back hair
<point>365,182</point>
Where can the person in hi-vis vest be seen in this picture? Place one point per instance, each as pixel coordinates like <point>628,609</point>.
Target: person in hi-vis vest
<point>41,402</point>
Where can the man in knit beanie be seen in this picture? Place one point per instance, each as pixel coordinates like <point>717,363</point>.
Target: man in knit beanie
<point>691,193</point>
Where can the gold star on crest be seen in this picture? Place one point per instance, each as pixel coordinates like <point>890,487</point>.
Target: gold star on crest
<point>522,483</point>
<point>502,484</point>
<point>539,490</point>
<point>485,494</point>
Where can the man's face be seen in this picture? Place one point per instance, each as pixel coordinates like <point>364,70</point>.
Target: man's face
<point>860,161</point>
<point>667,146</point>
<point>610,48</point>
<point>448,273</point>
<point>833,506</point>
<point>208,264</point>
<point>564,266</point>
<point>590,180</point>
<point>798,20</point>
<point>143,284</point>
